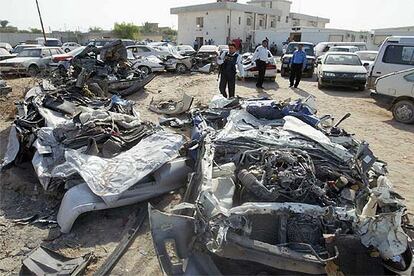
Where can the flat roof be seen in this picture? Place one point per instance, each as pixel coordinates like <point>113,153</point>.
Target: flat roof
<point>225,6</point>
<point>259,1</point>
<point>295,15</point>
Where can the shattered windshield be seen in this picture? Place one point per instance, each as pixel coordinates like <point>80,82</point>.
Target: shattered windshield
<point>306,47</point>
<point>343,60</point>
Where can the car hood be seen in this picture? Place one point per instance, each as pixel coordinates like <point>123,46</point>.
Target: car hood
<point>18,60</point>
<point>344,69</point>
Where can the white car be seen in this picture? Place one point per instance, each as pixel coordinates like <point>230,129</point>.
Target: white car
<point>396,90</point>
<point>6,46</point>
<point>367,57</point>
<point>251,71</point>
<point>344,49</point>
<point>341,70</point>
<point>185,50</point>
<point>146,64</point>
<point>70,46</point>
<point>145,51</point>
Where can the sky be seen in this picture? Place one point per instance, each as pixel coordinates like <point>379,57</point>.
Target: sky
<point>81,14</point>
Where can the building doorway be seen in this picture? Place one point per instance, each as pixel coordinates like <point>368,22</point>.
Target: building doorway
<point>297,37</point>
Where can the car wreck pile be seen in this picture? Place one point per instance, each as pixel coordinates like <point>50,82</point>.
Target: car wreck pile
<point>95,147</point>
<point>288,194</point>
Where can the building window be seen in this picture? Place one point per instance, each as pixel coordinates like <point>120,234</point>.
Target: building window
<point>261,23</point>
<point>287,19</point>
<point>200,22</point>
<point>239,20</point>
<point>228,19</point>
<point>248,21</point>
<point>273,24</point>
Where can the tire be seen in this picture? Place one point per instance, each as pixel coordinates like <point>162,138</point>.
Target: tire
<point>67,50</point>
<point>33,70</point>
<point>320,85</point>
<point>145,69</point>
<point>181,68</point>
<point>403,111</point>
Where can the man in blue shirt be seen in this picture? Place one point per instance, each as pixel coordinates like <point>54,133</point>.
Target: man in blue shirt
<point>297,66</point>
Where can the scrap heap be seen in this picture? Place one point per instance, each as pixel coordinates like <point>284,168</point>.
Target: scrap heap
<point>278,190</point>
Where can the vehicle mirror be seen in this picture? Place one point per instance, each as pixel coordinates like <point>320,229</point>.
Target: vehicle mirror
<point>319,61</point>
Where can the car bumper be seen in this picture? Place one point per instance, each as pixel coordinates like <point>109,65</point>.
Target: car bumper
<point>386,101</point>
<point>343,82</point>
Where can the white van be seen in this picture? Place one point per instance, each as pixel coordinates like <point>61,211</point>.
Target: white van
<point>395,54</point>
<point>323,47</point>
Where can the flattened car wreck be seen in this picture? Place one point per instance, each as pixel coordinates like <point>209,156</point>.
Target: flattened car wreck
<point>290,194</point>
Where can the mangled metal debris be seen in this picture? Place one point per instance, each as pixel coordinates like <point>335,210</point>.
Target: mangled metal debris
<point>43,261</point>
<point>172,107</point>
<point>281,195</point>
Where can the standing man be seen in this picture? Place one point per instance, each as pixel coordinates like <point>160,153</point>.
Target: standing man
<point>228,61</point>
<point>297,66</point>
<point>261,57</point>
<point>195,45</point>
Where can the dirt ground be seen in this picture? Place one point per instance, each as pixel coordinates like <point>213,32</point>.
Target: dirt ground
<point>99,232</point>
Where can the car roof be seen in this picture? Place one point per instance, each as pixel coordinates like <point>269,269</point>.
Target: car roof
<point>341,53</point>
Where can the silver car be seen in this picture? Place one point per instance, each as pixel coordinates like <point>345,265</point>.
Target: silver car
<point>30,61</point>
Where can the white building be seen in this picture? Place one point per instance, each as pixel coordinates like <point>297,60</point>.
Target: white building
<point>223,20</point>
<point>379,35</point>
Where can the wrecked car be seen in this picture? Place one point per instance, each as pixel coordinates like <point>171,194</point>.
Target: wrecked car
<point>290,194</point>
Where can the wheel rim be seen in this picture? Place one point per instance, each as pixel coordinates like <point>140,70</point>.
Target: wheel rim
<point>181,68</point>
<point>404,113</point>
<point>145,70</point>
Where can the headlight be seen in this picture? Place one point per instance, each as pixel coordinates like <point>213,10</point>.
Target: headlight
<point>360,76</point>
<point>329,74</point>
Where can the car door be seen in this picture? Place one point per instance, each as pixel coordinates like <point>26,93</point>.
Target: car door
<point>410,79</point>
<point>46,58</point>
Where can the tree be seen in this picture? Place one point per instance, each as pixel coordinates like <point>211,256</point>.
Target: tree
<point>126,30</point>
<point>3,23</point>
<point>35,30</point>
<point>95,29</point>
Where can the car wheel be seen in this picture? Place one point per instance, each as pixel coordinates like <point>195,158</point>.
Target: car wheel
<point>181,68</point>
<point>33,70</point>
<point>403,111</point>
<point>145,69</point>
<point>67,50</point>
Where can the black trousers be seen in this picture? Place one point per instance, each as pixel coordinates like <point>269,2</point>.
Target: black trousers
<point>228,80</point>
<point>295,74</point>
<point>261,65</point>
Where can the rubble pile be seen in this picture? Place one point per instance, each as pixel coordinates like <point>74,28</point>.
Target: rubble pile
<point>293,193</point>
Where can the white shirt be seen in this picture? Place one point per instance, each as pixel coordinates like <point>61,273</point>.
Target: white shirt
<point>220,61</point>
<point>261,53</point>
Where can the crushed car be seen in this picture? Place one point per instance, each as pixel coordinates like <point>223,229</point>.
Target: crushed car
<point>91,144</point>
<point>279,190</point>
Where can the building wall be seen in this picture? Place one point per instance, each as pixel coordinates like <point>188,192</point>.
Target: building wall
<point>212,29</point>
<point>15,38</point>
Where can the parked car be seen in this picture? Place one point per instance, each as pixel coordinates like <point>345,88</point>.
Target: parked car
<point>62,61</point>
<point>70,46</point>
<point>145,51</point>
<point>367,57</point>
<point>18,48</point>
<point>50,42</point>
<point>396,91</point>
<point>208,50</point>
<point>310,55</point>
<point>185,50</point>
<point>30,61</point>
<point>344,49</point>
<point>146,64</point>
<point>6,46</point>
<point>395,54</point>
<point>251,70</point>
<point>323,47</point>
<point>4,54</point>
<point>222,48</point>
<point>342,70</point>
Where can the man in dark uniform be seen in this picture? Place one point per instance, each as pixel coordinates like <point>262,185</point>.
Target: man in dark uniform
<point>228,62</point>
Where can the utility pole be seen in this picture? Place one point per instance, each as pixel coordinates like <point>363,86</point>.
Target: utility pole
<point>41,21</point>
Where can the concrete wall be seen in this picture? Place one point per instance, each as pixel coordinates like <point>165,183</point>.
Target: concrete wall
<point>15,38</point>
<point>215,27</point>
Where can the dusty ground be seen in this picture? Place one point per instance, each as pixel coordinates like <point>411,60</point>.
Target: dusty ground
<point>99,232</point>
